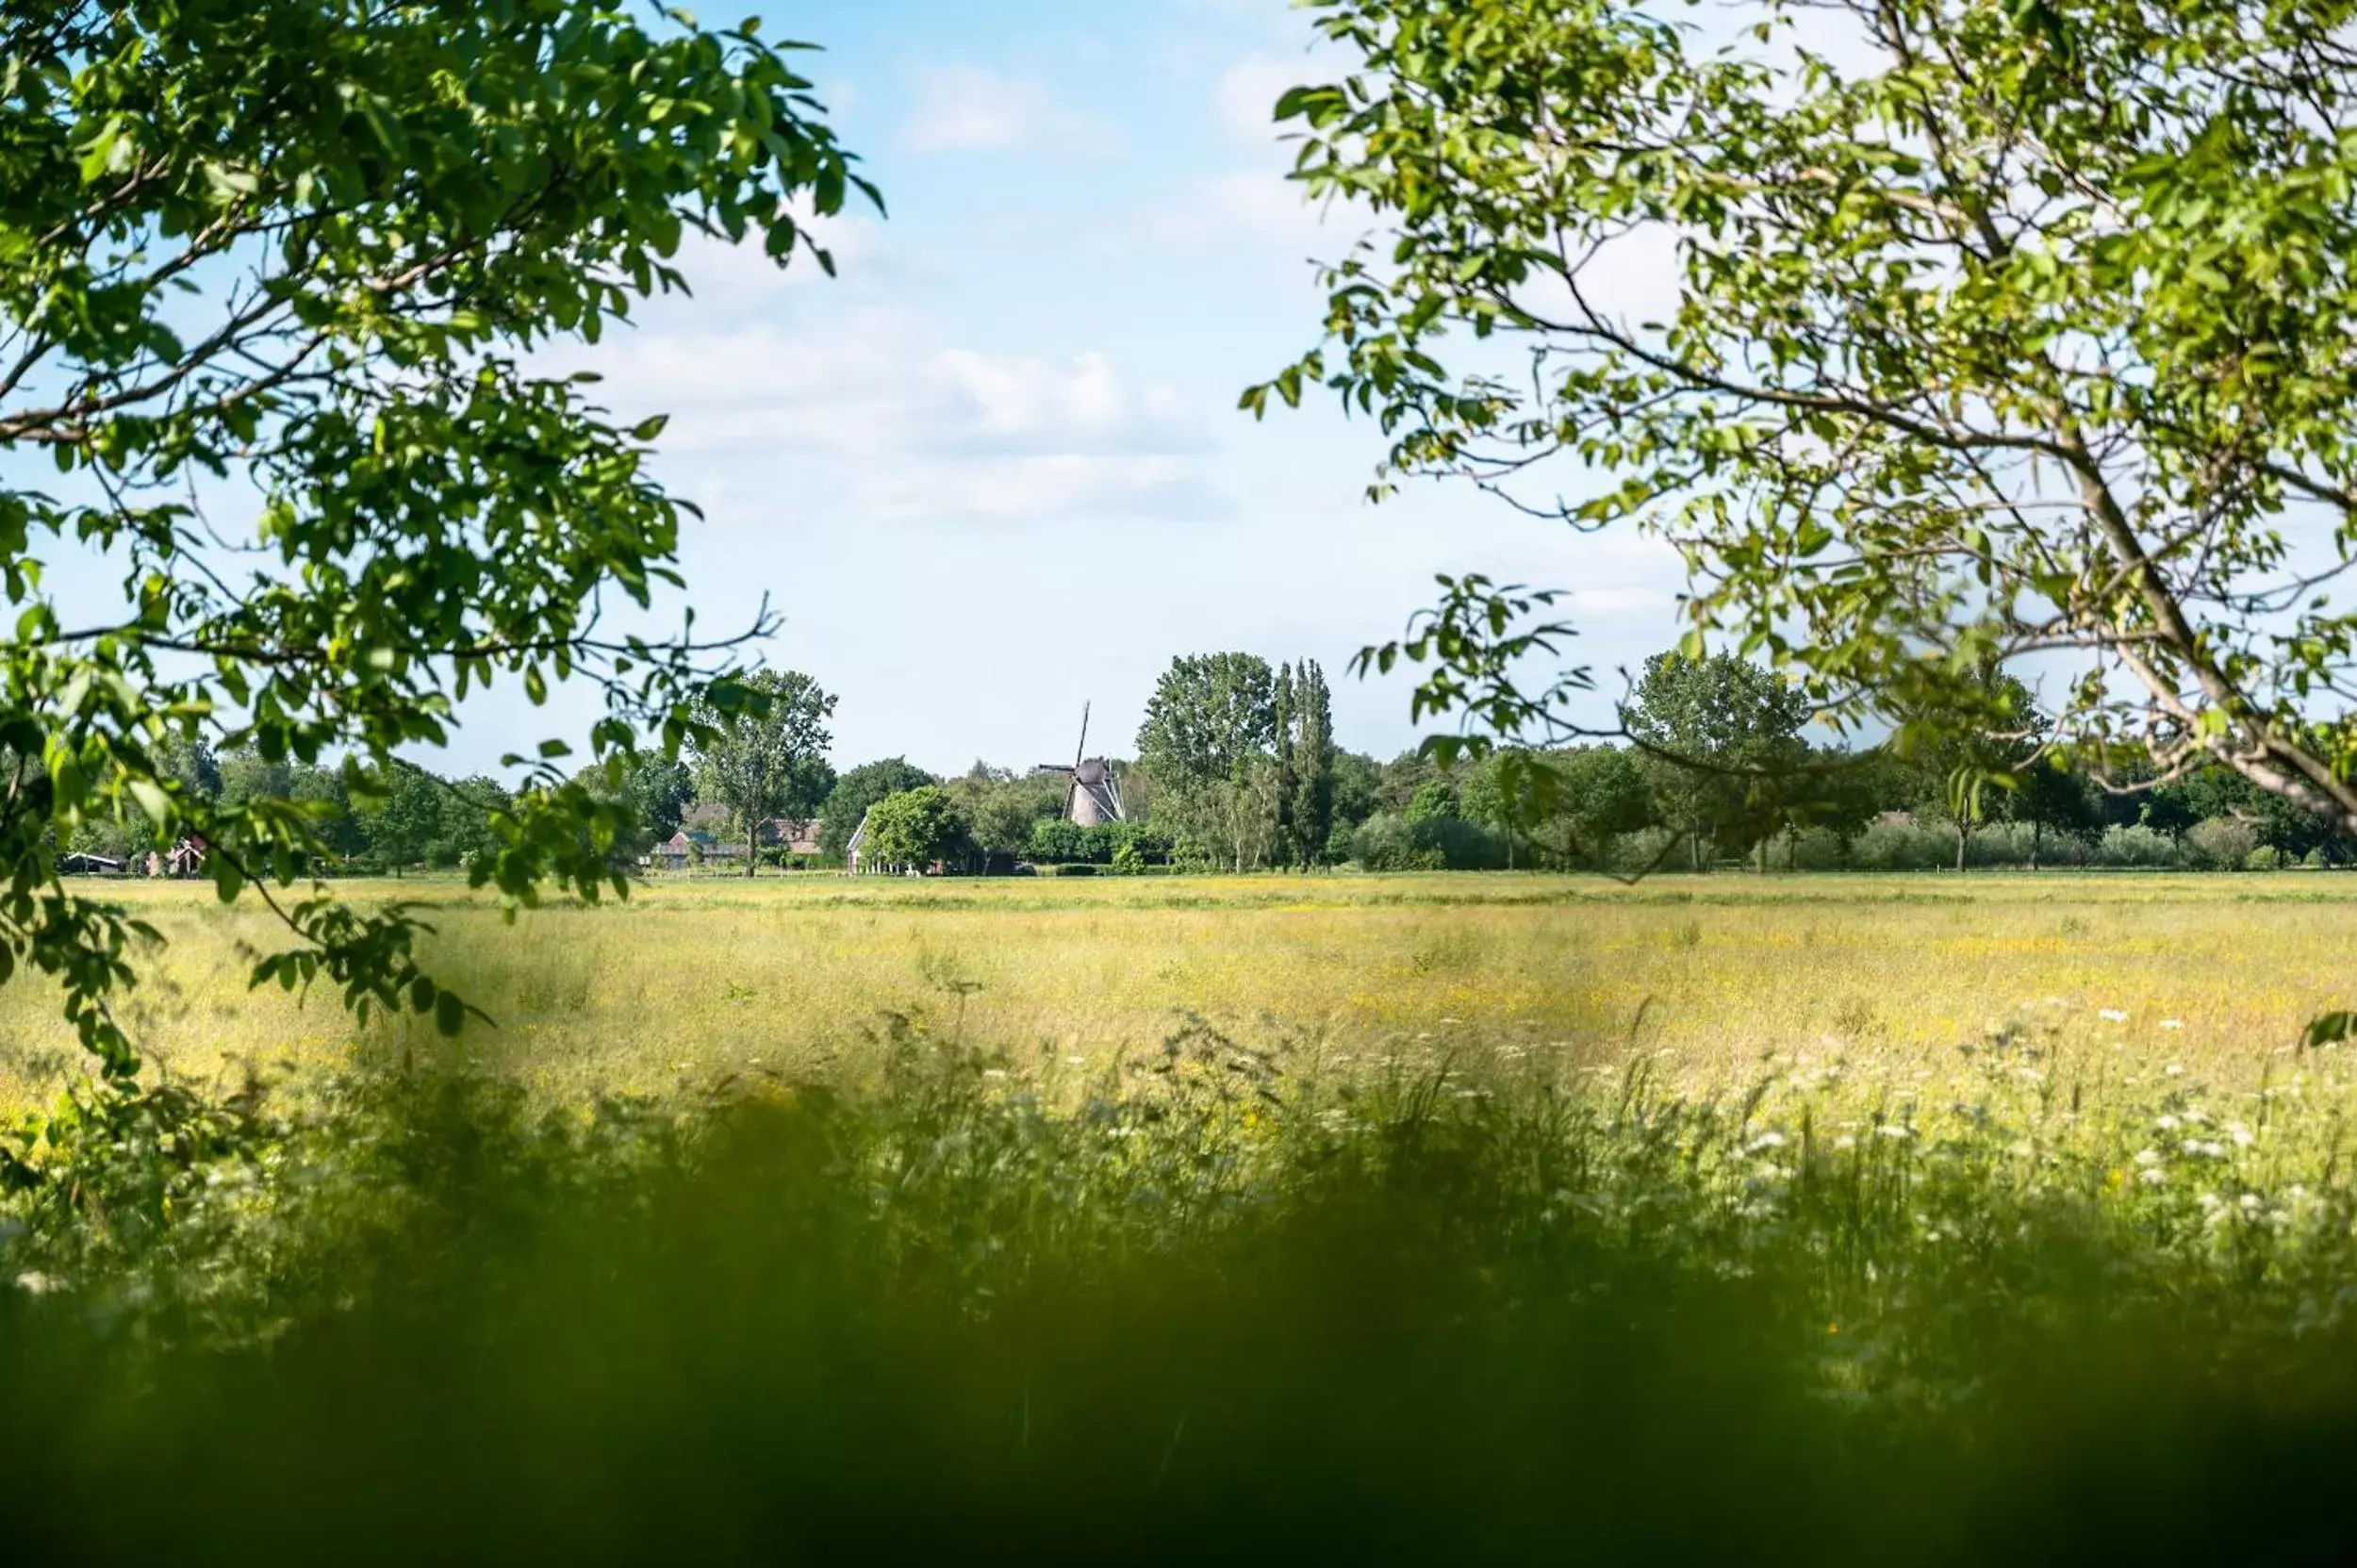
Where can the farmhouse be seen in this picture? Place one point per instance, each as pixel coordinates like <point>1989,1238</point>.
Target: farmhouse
<point>706,837</point>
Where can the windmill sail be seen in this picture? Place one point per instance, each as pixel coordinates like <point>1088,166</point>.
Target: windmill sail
<point>1095,795</point>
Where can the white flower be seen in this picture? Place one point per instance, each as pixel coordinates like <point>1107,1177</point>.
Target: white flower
<point>1076,1061</point>
<point>1764,1142</point>
<point>2167,1124</point>
<point>2249,1202</point>
<point>2148,1157</point>
<point>2173,1070</point>
<point>2152,1177</point>
<point>2172,1023</point>
<point>1894,1129</point>
<point>33,1284</point>
<point>2113,1016</point>
<point>2241,1135</point>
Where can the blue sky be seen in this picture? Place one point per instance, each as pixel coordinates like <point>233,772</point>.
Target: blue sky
<point>996,470</point>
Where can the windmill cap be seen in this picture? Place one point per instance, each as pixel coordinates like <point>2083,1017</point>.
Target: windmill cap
<point>1092,772</point>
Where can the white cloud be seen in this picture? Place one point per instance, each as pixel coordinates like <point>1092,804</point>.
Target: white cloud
<point>972,107</point>
<point>868,405</point>
<point>1247,93</point>
<point>1259,204</point>
<point>719,273</point>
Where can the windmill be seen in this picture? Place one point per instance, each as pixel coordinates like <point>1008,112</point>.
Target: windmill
<point>1096,794</point>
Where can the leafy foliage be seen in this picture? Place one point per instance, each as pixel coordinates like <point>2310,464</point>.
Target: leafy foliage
<point>917,828</point>
<point>268,277</point>
<point>1197,1287</point>
<point>858,789</point>
<point>1992,330</point>
<point>760,748</point>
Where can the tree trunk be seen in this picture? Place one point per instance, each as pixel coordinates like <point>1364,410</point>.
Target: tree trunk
<point>1964,837</point>
<point>2038,842</point>
<point>753,847</point>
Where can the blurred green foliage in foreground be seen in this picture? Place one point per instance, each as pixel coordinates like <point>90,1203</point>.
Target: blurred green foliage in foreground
<point>1200,1310</point>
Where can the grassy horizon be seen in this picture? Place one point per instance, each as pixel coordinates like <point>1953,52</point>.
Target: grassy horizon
<point>688,981</point>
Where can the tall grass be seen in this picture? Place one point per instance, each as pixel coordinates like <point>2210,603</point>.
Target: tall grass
<point>1200,1301</point>
<point>688,982</point>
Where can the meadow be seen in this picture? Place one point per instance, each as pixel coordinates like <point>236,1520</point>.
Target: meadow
<point>1466,1218</point>
<point>692,980</point>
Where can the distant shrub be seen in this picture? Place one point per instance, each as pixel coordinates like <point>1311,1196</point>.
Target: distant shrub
<point>1389,843</point>
<point>1131,846</point>
<point>1811,850</point>
<point>2221,844</point>
<point>1998,844</point>
<point>1385,842</point>
<point>1893,844</point>
<point>2137,846</point>
<point>1648,849</point>
<point>2266,857</point>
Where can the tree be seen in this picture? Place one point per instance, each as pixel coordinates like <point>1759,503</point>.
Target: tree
<point>2053,800</point>
<point>324,795</point>
<point>858,789</point>
<point>1004,808</point>
<point>1973,746</point>
<point>1207,746</point>
<point>1435,800</point>
<point>247,775</point>
<point>404,817</point>
<point>1721,735</point>
<point>1305,752</point>
<point>765,756</point>
<point>660,790</point>
<point>1601,796</point>
<point>467,828</point>
<point>279,276</point>
<point>915,828</point>
<point>1986,327</point>
<point>1209,718</point>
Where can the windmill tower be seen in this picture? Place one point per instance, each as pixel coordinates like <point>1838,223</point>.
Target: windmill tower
<point>1095,795</point>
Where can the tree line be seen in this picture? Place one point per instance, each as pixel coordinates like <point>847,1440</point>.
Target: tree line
<point>1237,771</point>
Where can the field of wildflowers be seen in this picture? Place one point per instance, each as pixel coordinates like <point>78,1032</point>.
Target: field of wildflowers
<point>691,981</point>
<point>2006,1246</point>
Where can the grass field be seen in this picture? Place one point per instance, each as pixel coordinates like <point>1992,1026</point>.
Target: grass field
<point>691,981</point>
<point>1441,1218</point>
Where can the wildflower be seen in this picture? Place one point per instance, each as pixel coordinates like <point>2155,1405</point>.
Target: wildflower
<point>2148,1157</point>
<point>2173,1070</point>
<point>2172,1023</point>
<point>2240,1133</point>
<point>993,1072</point>
<point>2113,1016</point>
<point>32,1282</point>
<point>1076,1061</point>
<point>2167,1124</point>
<point>1895,1129</point>
<point>1764,1142</point>
<point>2153,1176</point>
